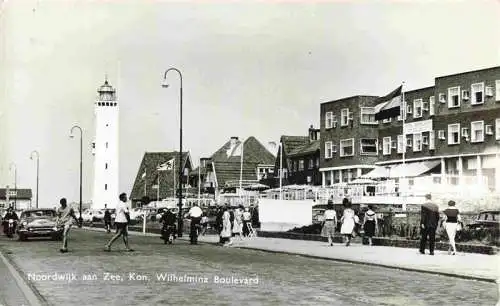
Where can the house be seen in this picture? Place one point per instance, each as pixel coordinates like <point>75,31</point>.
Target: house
<point>452,130</point>
<point>157,175</point>
<point>246,161</point>
<point>18,199</point>
<point>300,162</point>
<point>349,139</point>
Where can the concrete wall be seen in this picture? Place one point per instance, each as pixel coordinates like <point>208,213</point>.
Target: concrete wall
<point>282,215</point>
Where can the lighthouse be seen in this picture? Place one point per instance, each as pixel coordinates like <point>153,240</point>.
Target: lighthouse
<point>105,148</point>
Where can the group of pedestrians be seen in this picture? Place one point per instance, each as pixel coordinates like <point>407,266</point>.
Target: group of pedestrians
<point>430,221</point>
<point>350,222</point>
<point>233,223</point>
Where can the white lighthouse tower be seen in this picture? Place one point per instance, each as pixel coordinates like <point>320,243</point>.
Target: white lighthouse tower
<point>106,166</point>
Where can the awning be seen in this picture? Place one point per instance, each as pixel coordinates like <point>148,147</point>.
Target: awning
<point>379,106</point>
<point>378,172</point>
<point>413,169</point>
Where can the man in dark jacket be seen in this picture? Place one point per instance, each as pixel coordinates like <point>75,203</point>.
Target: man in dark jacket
<point>429,218</point>
<point>168,219</point>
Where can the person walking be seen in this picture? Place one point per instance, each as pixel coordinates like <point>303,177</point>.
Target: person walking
<point>451,222</point>
<point>204,223</point>
<point>238,222</point>
<point>219,223</point>
<point>330,223</point>
<point>226,227</point>
<point>194,214</point>
<point>107,220</point>
<point>348,221</point>
<point>247,220</point>
<point>370,224</point>
<point>65,217</point>
<point>429,218</point>
<point>121,222</point>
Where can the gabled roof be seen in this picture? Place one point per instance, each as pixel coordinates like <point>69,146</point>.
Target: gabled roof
<point>291,143</point>
<point>22,194</point>
<point>227,160</point>
<point>149,164</point>
<point>310,148</point>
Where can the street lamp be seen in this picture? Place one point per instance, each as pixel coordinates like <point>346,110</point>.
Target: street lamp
<point>80,220</point>
<point>37,172</point>
<point>15,183</point>
<point>165,85</point>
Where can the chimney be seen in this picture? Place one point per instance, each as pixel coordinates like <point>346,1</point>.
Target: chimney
<point>234,141</point>
<point>312,133</point>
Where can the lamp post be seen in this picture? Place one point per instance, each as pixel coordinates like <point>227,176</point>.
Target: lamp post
<point>37,172</point>
<point>15,183</point>
<point>165,85</point>
<point>80,220</point>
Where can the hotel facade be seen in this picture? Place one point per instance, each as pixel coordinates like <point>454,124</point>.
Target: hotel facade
<point>452,135</point>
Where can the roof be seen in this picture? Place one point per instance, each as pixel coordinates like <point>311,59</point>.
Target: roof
<point>291,143</point>
<point>310,148</point>
<point>349,98</point>
<point>149,164</point>
<point>467,72</point>
<point>22,194</point>
<point>227,160</point>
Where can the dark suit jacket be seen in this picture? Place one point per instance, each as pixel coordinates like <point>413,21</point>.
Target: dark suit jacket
<point>429,215</point>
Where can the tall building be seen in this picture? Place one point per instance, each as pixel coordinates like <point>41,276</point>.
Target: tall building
<point>106,148</point>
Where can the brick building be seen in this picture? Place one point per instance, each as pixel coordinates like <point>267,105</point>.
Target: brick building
<point>349,139</point>
<point>300,159</point>
<point>452,130</point>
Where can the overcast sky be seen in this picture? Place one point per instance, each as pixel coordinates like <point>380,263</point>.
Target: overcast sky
<point>250,69</point>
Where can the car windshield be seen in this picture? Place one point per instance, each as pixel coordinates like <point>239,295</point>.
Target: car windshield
<point>39,214</point>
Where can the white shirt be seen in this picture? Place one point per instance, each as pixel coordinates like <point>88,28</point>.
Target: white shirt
<point>195,212</point>
<point>330,214</point>
<point>121,209</point>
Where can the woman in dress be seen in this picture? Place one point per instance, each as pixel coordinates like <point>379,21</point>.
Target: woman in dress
<point>370,224</point>
<point>226,228</point>
<point>348,221</point>
<point>451,221</point>
<point>247,219</point>
<point>238,222</point>
<point>330,223</point>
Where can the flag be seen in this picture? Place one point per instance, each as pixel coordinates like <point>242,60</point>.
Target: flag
<point>143,175</point>
<point>389,106</point>
<point>169,165</point>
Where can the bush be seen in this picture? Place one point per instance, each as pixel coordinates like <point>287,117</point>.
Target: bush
<point>308,229</point>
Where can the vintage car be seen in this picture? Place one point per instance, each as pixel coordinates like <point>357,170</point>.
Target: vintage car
<point>39,223</point>
<point>486,219</point>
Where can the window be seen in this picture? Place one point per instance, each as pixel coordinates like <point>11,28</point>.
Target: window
<point>368,146</point>
<point>442,98</point>
<point>311,163</point>
<point>401,147</point>
<point>367,115</point>
<point>432,105</point>
<point>465,95</point>
<point>301,165</point>
<point>453,133</point>
<point>488,91</point>
<point>329,120</point>
<point>106,166</point>
<point>417,108</point>
<point>417,142</point>
<point>347,147</point>
<point>409,141</point>
<point>432,140</point>
<point>344,117</point>
<point>409,109</point>
<point>497,129</point>
<point>497,90</point>
<point>477,91</point>
<point>477,131</point>
<point>386,146</point>
<point>105,186</point>
<point>441,134</point>
<point>488,129</point>
<point>454,97</point>
<point>328,149</point>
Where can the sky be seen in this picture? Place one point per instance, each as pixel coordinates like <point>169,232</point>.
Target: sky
<point>250,68</point>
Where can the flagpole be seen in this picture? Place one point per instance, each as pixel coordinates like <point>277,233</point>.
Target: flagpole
<point>199,182</point>
<point>145,175</point>
<point>158,190</point>
<point>241,167</point>
<point>403,103</point>
<point>281,171</point>
<point>174,176</point>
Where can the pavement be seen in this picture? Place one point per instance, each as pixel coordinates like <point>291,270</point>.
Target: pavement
<point>87,275</point>
<point>463,265</point>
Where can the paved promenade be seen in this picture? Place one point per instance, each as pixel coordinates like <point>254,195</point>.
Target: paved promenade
<point>465,265</point>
